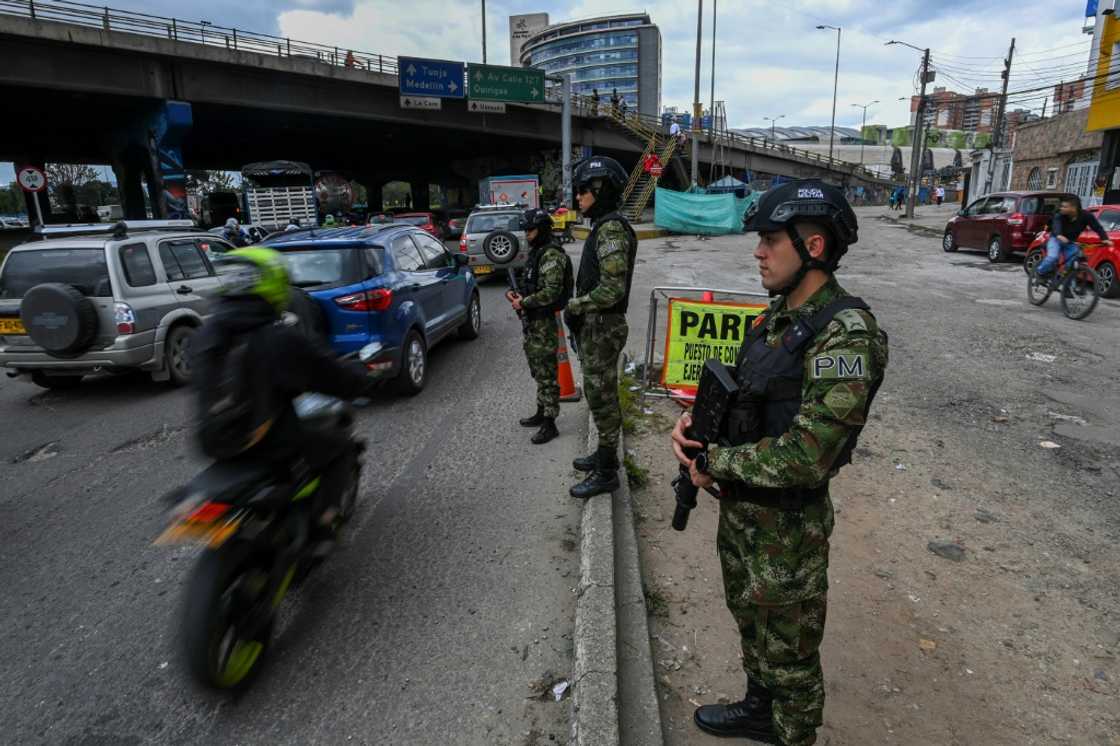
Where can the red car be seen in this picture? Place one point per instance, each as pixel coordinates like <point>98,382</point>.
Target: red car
<point>1001,223</point>
<point>425,220</point>
<point>1104,259</point>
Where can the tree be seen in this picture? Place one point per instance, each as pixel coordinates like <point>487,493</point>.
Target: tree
<point>69,174</point>
<point>208,182</point>
<point>11,200</point>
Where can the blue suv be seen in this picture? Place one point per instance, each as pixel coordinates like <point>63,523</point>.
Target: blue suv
<point>393,288</point>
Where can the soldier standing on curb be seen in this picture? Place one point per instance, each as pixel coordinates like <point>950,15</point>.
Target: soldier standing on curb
<point>597,315</point>
<point>808,370</point>
<point>547,285</point>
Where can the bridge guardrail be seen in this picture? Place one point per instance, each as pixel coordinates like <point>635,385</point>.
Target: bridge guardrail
<point>195,32</point>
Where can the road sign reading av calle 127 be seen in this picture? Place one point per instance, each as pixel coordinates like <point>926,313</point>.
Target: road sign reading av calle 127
<point>496,83</point>
<point>432,78</point>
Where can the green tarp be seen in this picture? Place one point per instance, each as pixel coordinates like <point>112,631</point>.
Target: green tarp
<point>702,214</point>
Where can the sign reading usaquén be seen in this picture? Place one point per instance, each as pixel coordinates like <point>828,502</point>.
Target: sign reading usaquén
<point>698,331</point>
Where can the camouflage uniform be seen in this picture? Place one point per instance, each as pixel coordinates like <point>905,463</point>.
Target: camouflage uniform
<point>541,334</point>
<point>775,562</point>
<point>603,335</point>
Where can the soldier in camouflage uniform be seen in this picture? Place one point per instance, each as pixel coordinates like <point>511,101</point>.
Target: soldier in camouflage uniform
<point>547,285</point>
<point>597,315</point>
<point>808,370</point>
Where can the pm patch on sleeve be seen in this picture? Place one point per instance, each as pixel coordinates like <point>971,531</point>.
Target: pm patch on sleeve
<point>852,366</point>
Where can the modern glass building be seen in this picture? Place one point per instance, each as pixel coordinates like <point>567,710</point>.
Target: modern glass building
<point>620,52</point>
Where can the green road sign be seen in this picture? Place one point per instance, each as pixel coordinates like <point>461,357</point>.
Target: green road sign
<point>496,83</point>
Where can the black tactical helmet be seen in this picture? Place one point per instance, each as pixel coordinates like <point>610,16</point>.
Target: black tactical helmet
<point>782,207</point>
<point>540,219</point>
<point>605,177</point>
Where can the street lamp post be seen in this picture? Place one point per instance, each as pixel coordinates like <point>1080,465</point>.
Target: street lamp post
<point>772,120</point>
<point>865,107</point>
<point>484,33</point>
<point>915,180</point>
<point>203,25</point>
<point>697,107</point>
<point>835,87</point>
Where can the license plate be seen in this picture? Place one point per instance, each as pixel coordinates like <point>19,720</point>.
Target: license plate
<point>12,326</point>
<point>483,269</point>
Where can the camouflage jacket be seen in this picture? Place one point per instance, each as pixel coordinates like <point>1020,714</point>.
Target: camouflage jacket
<point>549,278</point>
<point>831,407</point>
<point>612,248</point>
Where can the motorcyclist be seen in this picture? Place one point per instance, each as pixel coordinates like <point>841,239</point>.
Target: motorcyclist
<point>235,234</point>
<point>251,357</point>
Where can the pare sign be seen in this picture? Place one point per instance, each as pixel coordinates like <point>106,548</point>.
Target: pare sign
<point>698,331</point>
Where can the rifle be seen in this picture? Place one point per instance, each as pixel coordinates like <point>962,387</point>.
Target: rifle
<point>516,287</point>
<point>714,395</point>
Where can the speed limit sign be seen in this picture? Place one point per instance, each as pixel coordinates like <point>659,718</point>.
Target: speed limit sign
<point>31,179</point>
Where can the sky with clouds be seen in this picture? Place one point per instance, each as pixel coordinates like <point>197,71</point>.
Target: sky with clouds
<point>770,58</point>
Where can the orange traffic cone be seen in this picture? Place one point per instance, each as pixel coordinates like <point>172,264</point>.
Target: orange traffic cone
<point>568,389</point>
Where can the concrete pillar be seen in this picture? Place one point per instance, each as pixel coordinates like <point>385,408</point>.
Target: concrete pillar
<point>420,198</point>
<point>128,173</point>
<point>374,194</point>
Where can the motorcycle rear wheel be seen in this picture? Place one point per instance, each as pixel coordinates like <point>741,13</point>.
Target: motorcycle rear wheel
<point>224,648</point>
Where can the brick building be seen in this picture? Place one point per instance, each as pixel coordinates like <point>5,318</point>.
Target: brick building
<point>1067,95</point>
<point>949,110</point>
<point>1057,153</point>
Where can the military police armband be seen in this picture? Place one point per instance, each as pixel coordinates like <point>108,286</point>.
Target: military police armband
<point>839,367</point>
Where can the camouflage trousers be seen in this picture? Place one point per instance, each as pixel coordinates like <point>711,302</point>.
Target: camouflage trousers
<point>540,350</point>
<point>775,578</point>
<point>601,340</point>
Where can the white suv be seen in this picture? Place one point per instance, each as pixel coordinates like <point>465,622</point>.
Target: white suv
<point>106,298</point>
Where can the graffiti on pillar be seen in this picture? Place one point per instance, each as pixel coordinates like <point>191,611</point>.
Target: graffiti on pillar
<point>164,139</point>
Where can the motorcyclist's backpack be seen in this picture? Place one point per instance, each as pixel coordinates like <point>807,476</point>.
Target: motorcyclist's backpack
<point>234,414</point>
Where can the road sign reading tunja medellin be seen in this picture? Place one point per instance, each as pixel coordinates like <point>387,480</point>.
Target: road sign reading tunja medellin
<point>496,83</point>
<point>438,78</point>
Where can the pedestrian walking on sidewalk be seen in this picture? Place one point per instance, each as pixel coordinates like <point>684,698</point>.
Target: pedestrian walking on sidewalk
<point>614,101</point>
<point>547,283</point>
<point>597,315</point>
<point>808,370</point>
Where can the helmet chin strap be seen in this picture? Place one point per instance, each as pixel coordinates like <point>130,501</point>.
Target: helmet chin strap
<point>807,263</point>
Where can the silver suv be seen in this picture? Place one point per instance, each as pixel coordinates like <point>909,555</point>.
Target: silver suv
<point>493,239</point>
<point>129,297</point>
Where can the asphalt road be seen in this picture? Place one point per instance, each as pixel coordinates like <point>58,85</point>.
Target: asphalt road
<point>452,594</point>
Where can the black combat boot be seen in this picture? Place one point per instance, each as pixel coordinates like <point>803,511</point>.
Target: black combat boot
<point>603,479</point>
<point>535,420</point>
<point>752,718</point>
<point>547,432</point>
<point>586,463</point>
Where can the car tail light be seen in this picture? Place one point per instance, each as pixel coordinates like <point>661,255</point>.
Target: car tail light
<point>368,300</point>
<point>125,318</point>
<point>1016,219</point>
<point>462,244</point>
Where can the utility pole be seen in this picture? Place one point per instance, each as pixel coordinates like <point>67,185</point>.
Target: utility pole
<point>697,107</point>
<point>919,140</point>
<point>1001,113</point>
<point>484,33</point>
<point>835,89</point>
<point>865,107</point>
<point>1045,101</point>
<point>712,106</point>
<point>566,141</point>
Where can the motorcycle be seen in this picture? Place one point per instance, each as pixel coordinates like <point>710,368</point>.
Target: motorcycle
<point>255,524</point>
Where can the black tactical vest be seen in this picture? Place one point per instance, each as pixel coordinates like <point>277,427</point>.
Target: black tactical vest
<point>770,381</point>
<point>532,276</point>
<point>588,277</point>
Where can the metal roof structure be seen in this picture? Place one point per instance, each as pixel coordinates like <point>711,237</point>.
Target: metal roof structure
<point>820,134</point>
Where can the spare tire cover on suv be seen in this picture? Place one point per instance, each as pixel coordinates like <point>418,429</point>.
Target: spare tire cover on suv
<point>59,318</point>
<point>501,247</point>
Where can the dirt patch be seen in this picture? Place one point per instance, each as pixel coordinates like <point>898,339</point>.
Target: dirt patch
<point>1015,643</point>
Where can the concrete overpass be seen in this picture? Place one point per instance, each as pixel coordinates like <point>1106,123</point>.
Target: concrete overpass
<point>90,87</point>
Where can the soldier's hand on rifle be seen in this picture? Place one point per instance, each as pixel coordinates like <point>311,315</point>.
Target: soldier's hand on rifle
<point>681,441</point>
<point>702,481</point>
<point>514,300</point>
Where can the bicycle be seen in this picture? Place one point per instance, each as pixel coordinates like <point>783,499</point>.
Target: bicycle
<point>1078,285</point>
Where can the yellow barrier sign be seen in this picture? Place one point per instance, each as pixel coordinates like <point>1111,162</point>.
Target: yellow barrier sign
<point>698,331</point>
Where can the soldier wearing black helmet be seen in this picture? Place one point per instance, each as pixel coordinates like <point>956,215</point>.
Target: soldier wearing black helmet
<point>597,315</point>
<point>807,371</point>
<point>547,285</point>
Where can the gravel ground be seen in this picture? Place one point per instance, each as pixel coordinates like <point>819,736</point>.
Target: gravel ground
<point>1016,643</point>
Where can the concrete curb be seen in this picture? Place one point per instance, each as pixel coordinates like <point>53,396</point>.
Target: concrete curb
<point>614,693</point>
<point>923,229</point>
<point>595,676</point>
